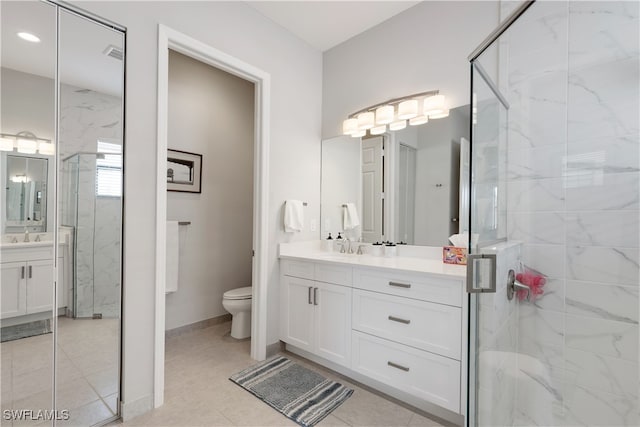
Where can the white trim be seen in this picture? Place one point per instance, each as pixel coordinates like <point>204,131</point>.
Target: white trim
<point>174,40</point>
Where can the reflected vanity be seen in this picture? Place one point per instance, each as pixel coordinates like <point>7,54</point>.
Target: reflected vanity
<point>405,184</point>
<point>61,219</point>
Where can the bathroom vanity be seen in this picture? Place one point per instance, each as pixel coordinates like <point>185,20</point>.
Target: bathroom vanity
<point>396,324</point>
<point>26,270</point>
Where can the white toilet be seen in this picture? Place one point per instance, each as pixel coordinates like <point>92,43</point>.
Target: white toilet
<point>238,303</point>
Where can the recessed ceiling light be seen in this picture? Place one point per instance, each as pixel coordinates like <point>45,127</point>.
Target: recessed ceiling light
<point>29,37</point>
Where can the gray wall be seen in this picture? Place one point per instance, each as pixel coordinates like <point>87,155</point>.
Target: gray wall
<point>211,113</point>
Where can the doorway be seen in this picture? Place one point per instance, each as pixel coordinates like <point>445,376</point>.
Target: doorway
<point>178,42</point>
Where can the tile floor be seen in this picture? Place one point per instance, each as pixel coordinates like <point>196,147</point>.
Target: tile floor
<point>198,391</point>
<point>87,374</point>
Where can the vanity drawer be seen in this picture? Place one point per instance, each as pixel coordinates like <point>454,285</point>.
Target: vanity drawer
<point>424,325</point>
<point>336,274</point>
<point>425,375</point>
<point>301,269</point>
<point>417,286</point>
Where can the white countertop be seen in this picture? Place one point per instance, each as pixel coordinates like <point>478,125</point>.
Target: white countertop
<point>422,259</point>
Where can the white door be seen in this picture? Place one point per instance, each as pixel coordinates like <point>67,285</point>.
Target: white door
<point>12,296</point>
<point>406,194</point>
<point>297,318</point>
<point>39,286</point>
<point>333,322</point>
<point>372,189</point>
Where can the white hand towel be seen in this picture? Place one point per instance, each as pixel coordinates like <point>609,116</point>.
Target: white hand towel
<point>351,219</point>
<point>293,216</point>
<point>173,255</point>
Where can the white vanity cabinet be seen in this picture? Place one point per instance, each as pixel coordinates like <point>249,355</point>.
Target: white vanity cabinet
<point>406,330</point>
<point>27,281</point>
<point>317,315</point>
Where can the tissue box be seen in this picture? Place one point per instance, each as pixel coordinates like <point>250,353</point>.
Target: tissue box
<point>454,255</point>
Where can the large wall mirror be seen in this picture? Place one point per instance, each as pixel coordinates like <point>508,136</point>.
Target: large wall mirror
<point>61,126</point>
<point>405,185</point>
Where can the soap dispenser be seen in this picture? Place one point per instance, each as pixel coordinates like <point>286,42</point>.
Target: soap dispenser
<point>328,244</point>
<point>26,235</point>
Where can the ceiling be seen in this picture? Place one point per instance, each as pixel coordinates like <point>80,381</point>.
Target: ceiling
<point>325,24</point>
<point>82,43</point>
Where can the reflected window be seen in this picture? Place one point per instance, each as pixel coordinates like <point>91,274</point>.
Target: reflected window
<point>109,170</point>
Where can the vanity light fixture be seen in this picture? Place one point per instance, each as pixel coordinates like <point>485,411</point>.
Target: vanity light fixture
<point>27,143</point>
<point>417,109</point>
<point>28,37</point>
<point>20,178</point>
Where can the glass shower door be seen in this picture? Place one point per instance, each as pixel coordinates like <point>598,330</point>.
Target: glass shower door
<point>555,178</point>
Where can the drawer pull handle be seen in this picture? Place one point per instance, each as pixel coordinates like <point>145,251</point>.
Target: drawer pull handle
<point>310,302</point>
<point>30,271</point>
<point>400,285</point>
<point>22,272</point>
<point>315,296</point>
<point>395,365</point>
<point>399,320</point>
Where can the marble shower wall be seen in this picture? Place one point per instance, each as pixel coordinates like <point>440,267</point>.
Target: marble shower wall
<point>573,200</point>
<point>86,117</point>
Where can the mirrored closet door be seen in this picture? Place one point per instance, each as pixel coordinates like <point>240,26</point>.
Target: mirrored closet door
<point>61,160</point>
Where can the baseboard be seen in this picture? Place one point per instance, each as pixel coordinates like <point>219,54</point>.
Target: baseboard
<point>197,325</point>
<point>132,409</point>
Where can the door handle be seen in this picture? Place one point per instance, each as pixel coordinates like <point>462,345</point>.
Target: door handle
<point>400,285</point>
<point>315,296</point>
<point>30,271</point>
<point>399,320</point>
<point>22,272</point>
<point>310,302</point>
<point>475,276</point>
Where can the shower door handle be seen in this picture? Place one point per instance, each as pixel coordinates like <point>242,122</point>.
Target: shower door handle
<point>481,273</point>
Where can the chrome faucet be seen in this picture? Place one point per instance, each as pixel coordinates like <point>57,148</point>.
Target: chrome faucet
<point>345,246</point>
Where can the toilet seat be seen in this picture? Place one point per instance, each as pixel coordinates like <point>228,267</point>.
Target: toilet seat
<point>238,293</point>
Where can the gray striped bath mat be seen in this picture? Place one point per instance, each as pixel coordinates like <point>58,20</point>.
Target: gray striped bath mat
<point>298,393</point>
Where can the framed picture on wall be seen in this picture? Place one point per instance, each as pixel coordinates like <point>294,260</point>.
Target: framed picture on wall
<point>184,171</point>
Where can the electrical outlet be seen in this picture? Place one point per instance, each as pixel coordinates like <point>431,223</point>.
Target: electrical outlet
<point>313,225</point>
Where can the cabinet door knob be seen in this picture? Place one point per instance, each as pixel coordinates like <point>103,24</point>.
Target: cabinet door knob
<point>315,296</point>
<point>310,302</point>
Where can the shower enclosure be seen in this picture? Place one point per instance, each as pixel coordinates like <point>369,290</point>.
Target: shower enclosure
<point>555,186</point>
<point>93,212</point>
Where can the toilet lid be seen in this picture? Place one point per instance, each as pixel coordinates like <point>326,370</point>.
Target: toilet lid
<point>238,293</point>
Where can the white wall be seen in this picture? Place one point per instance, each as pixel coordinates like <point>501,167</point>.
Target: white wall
<point>423,48</point>
<point>210,113</point>
<point>296,83</point>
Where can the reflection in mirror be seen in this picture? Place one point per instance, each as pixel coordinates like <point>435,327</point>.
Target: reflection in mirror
<point>27,89</point>
<point>405,184</point>
<point>26,198</point>
<point>90,212</point>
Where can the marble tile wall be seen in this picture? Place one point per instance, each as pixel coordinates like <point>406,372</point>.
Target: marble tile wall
<point>573,189</point>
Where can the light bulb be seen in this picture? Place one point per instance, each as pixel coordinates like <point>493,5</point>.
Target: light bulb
<point>440,115</point>
<point>433,105</point>
<point>399,125</point>
<point>366,120</point>
<point>27,146</point>
<point>6,144</point>
<point>378,130</point>
<point>420,120</point>
<point>349,126</point>
<point>359,134</point>
<point>408,109</point>
<point>384,114</point>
